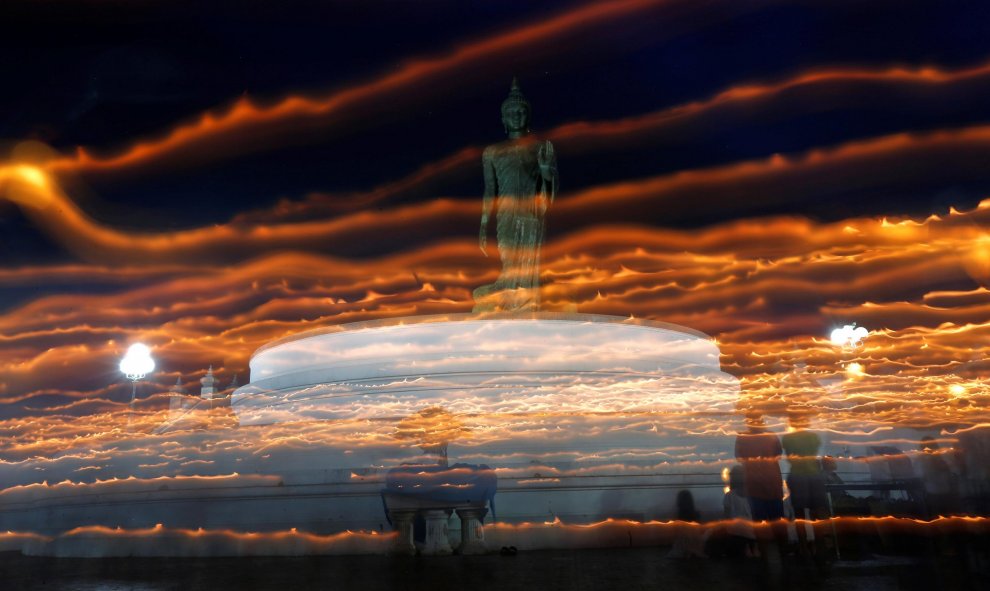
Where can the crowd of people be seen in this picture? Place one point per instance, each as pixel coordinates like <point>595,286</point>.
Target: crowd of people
<point>765,513</point>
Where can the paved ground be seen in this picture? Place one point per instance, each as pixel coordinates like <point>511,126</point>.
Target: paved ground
<point>628,569</point>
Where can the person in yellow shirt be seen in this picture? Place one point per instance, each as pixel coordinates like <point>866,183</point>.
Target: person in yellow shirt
<point>806,481</point>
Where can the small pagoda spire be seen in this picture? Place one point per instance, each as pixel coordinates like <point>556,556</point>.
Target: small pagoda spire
<point>209,384</point>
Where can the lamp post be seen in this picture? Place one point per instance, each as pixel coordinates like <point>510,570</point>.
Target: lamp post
<point>136,364</point>
<point>848,339</point>
<point>849,336</point>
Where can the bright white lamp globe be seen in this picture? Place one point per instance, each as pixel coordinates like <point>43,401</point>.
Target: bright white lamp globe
<point>848,336</point>
<point>137,363</point>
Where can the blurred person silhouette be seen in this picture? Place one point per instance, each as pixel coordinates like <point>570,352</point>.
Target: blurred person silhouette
<point>806,480</point>
<point>837,497</point>
<point>689,536</point>
<point>758,451</point>
<point>941,490</point>
<point>830,470</point>
<point>974,464</point>
<point>686,510</point>
<point>737,538</point>
<point>973,456</point>
<point>942,498</point>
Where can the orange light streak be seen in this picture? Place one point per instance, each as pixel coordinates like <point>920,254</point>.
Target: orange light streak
<point>164,541</point>
<point>245,114</point>
<point>63,220</point>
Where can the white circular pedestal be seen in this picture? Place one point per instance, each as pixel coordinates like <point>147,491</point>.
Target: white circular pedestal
<point>482,365</point>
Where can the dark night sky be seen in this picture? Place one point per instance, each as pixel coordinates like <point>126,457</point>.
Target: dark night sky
<point>104,74</point>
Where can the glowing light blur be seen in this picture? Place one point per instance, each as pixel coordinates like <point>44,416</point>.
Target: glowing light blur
<point>855,370</point>
<point>137,363</point>
<point>849,335</point>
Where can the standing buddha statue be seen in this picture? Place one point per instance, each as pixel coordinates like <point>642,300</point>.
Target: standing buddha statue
<point>521,182</point>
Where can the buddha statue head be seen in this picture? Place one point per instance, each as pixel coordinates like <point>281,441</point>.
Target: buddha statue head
<point>515,111</point>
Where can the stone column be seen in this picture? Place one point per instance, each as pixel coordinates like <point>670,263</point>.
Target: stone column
<point>436,543</point>
<point>472,531</point>
<point>402,520</point>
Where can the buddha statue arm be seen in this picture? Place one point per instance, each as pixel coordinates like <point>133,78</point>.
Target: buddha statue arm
<point>488,197</point>
<point>547,159</point>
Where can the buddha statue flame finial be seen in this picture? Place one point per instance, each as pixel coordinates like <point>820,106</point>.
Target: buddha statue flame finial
<point>515,97</point>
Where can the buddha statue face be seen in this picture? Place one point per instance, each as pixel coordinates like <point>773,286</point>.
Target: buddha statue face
<point>515,118</point>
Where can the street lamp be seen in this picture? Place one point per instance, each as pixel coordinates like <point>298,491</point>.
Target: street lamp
<point>849,335</point>
<point>136,364</point>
